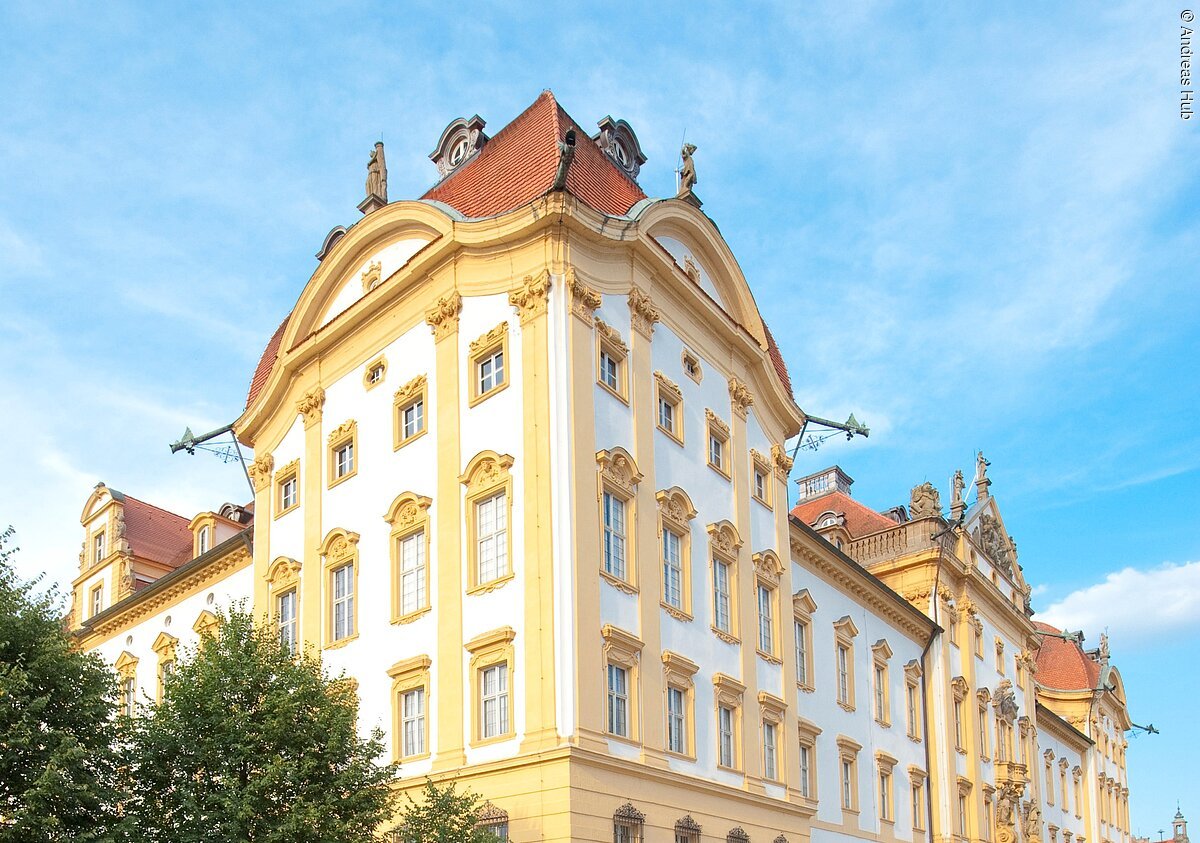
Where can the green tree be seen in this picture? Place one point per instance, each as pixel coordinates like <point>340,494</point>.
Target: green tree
<point>253,744</point>
<point>57,771</point>
<point>443,816</point>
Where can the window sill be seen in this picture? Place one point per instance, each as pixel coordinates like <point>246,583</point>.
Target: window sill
<point>845,705</point>
<point>683,756</point>
<point>770,659</point>
<point>507,736</point>
<point>491,585</point>
<point>618,583</point>
<point>677,613</point>
<point>614,393</point>
<point>808,689</point>
<point>284,512</point>
<point>411,616</point>
<point>678,440</point>
<point>339,480</point>
<point>341,642</point>
<point>479,399</point>
<point>408,758</point>
<point>762,502</point>
<point>400,443</point>
<point>730,769</point>
<point>727,475</point>
<point>727,637</point>
<point>884,724</point>
<point>914,738</point>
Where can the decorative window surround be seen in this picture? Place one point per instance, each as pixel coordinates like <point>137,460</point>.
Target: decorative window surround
<point>287,488</point>
<point>489,650</point>
<point>409,675</point>
<point>803,607</point>
<point>343,464</point>
<point>881,653</point>
<point>768,571</point>
<point>717,450</point>
<point>669,407</point>
<point>624,650</point>
<point>675,513</point>
<point>488,475</point>
<point>410,402</point>
<point>612,372</point>
<point>409,519</point>
<point>727,694</point>
<point>724,544</point>
<point>844,633</point>
<point>375,372</point>
<point>339,550</point>
<point>761,478</point>
<point>679,674</point>
<point>490,364</point>
<point>618,478</point>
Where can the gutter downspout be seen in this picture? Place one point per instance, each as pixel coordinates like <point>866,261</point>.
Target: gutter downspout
<point>566,154</point>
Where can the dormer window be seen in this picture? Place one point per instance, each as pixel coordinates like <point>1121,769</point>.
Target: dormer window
<point>203,540</point>
<point>458,153</point>
<point>617,140</point>
<point>459,142</point>
<point>98,546</point>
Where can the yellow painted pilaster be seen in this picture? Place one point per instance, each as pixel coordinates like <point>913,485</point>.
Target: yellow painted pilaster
<point>531,299</point>
<point>311,595</point>
<point>261,476</point>
<point>653,700</point>
<point>448,565</point>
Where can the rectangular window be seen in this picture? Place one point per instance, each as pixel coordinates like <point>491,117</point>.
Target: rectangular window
<point>843,674</point>
<point>716,452</point>
<point>618,701</point>
<point>881,694</point>
<point>721,616</point>
<point>412,573</point>
<point>962,814</point>
<point>770,770</point>
<point>98,547</point>
<point>666,415</point>
<point>343,602</point>
<point>412,722</point>
<point>847,784</point>
<point>760,485</point>
<point>203,540</point>
<point>343,461</point>
<point>677,720</point>
<point>285,614</point>
<point>287,493</point>
<point>614,536</point>
<point>128,696</point>
<point>766,623</point>
<point>412,419</point>
<point>958,725</point>
<point>918,805</point>
<point>490,371</point>
<point>801,635</point>
<point>610,372</point>
<point>805,771</point>
<point>987,819</point>
<point>725,720</point>
<point>672,569</point>
<point>97,600</point>
<point>911,709</point>
<point>885,795</point>
<point>375,374</point>
<point>491,519</point>
<point>983,731</point>
<point>493,703</point>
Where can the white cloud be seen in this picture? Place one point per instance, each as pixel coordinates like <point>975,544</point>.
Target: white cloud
<point>1133,605</point>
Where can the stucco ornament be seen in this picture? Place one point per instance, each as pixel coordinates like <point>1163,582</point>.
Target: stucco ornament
<point>740,397</point>
<point>1005,701</point>
<point>1033,823</point>
<point>260,471</point>
<point>1006,819</point>
<point>995,544</point>
<point>310,406</point>
<point>531,297</point>
<point>443,316</point>
<point>643,314</point>
<point>925,502</point>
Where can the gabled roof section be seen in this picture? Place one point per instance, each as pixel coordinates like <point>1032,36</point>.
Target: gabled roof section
<point>860,519</point>
<point>1063,665</point>
<point>157,535</point>
<point>267,362</point>
<point>519,164</point>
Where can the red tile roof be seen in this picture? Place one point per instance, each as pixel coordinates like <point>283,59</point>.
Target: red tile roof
<point>777,359</point>
<point>860,519</point>
<point>266,363</point>
<point>1063,665</point>
<point>157,535</point>
<point>519,164</point>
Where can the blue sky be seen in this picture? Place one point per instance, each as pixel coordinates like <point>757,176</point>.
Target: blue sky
<point>973,227</point>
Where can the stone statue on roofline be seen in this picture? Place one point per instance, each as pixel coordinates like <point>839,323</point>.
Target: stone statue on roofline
<point>925,502</point>
<point>687,176</point>
<point>376,181</point>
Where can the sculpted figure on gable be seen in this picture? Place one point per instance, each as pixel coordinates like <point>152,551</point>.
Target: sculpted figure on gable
<point>925,502</point>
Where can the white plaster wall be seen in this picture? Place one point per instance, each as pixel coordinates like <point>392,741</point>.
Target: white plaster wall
<point>495,424</point>
<point>820,706</point>
<point>1058,814</point>
<point>287,531</point>
<point>391,257</point>
<point>679,251</point>
<point>176,620</point>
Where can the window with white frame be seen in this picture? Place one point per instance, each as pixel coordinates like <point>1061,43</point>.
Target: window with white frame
<point>672,544</point>
<point>881,694</point>
<point>412,722</point>
<point>411,551</point>
<point>618,701</point>
<point>203,540</point>
<point>918,804</point>
<point>343,460</point>
<point>843,673</point>
<point>670,407</point>
<point>848,784</point>
<point>770,752</point>
<point>911,709</point>
<point>806,770</point>
<point>491,519</point>
<point>128,695</point>
<point>766,619</point>
<point>490,371</point>
<point>718,443</point>
<point>614,535</point>
<point>677,726</point>
<point>343,452</point>
<point>800,631</point>
<point>412,418</point>
<point>760,477</point>
<point>287,620</point>
<point>493,701</point>
<point>726,718</point>
<point>844,631</point>
<point>885,795</point>
<point>343,601</point>
<point>98,548</point>
<point>97,599</point>
<point>288,495</point>
<point>722,616</point>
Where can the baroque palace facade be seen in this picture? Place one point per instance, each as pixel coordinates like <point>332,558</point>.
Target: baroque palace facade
<point>520,474</point>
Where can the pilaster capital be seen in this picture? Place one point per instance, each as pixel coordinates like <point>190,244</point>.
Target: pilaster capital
<point>260,471</point>
<point>584,300</point>
<point>642,312</point>
<point>443,316</point>
<point>311,405</point>
<point>531,298</point>
<point>740,397</point>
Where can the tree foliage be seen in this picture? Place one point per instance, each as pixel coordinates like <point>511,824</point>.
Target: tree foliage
<point>57,771</point>
<point>443,816</point>
<point>252,744</point>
